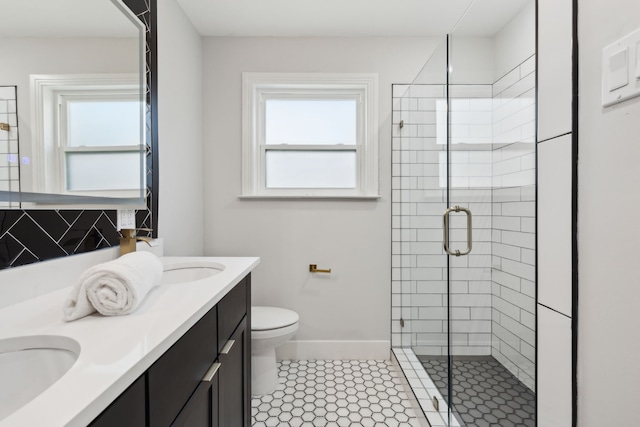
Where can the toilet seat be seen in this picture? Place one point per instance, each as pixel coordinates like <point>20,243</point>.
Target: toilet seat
<point>270,318</point>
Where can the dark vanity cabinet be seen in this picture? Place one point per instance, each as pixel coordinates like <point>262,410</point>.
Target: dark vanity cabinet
<point>128,410</point>
<point>203,380</point>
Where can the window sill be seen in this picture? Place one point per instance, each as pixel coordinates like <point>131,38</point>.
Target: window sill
<point>281,197</point>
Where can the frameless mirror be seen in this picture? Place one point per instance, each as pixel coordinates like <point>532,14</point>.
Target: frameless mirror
<point>72,104</point>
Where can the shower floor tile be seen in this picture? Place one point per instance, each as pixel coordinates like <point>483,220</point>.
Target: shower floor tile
<point>335,393</point>
<point>485,393</point>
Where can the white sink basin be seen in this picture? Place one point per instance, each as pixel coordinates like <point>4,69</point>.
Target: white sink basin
<point>30,365</point>
<point>189,271</point>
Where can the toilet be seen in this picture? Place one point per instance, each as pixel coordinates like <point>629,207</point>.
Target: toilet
<point>270,328</point>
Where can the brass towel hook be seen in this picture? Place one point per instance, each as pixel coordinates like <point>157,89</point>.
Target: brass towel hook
<point>314,269</point>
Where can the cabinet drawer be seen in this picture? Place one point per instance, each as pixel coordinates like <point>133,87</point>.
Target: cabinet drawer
<point>175,376</point>
<point>128,410</point>
<point>231,310</point>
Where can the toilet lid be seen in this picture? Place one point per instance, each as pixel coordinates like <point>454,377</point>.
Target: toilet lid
<point>266,318</point>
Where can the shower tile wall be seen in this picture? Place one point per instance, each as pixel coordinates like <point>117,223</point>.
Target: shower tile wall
<point>419,198</point>
<point>513,240</point>
<point>9,172</point>
<point>493,167</point>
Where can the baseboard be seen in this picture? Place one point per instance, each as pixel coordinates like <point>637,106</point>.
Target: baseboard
<point>334,350</point>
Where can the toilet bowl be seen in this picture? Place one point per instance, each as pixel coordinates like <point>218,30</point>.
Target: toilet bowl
<point>270,328</point>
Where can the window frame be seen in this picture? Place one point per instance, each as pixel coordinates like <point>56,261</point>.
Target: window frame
<point>47,148</point>
<point>259,87</point>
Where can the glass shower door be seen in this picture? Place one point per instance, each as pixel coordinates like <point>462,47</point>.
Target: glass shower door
<point>467,234</point>
<point>490,230</point>
<point>464,157</point>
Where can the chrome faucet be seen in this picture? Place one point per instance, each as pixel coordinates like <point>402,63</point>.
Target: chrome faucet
<point>129,239</point>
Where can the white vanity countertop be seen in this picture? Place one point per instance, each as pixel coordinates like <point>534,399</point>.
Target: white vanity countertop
<point>115,351</point>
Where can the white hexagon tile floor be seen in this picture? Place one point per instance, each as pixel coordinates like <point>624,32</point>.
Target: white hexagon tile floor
<point>330,393</point>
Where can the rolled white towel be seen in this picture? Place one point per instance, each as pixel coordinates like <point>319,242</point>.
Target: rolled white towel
<point>115,287</point>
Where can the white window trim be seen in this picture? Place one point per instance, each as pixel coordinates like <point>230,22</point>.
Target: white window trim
<point>255,86</point>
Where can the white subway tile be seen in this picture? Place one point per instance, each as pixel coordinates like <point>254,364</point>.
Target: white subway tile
<point>527,209</point>
<point>471,351</point>
<point>470,91</point>
<point>519,269</point>
<point>506,251</point>
<point>427,104</point>
<point>506,336</point>
<point>475,300</point>
<point>507,166</point>
<point>480,313</point>
<point>521,300</point>
<point>524,178</point>
<point>511,223</point>
<point>528,288</point>
<point>481,104</point>
<point>528,66</point>
<point>420,326</point>
<point>506,81</point>
<point>506,279</point>
<point>505,307</point>
<point>528,319</point>
<point>432,313</point>
<point>519,330</point>
<point>528,256</point>
<point>431,287</point>
<point>470,326</point>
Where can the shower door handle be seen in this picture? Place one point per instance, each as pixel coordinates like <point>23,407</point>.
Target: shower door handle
<point>445,227</point>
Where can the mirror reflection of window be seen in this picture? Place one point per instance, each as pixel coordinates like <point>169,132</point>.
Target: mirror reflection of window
<point>100,146</point>
<point>90,135</point>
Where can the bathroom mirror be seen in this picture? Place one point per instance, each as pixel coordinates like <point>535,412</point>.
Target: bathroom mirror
<point>73,105</point>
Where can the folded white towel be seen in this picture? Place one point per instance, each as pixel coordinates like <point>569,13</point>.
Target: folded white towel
<point>115,287</point>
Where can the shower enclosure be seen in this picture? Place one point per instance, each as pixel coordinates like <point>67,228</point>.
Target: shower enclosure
<point>463,221</point>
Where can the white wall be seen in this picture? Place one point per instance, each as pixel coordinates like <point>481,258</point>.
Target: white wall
<point>609,173</point>
<point>180,217</point>
<point>351,237</point>
<point>515,42</point>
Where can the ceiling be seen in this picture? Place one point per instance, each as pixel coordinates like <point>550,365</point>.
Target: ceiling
<point>268,18</point>
<point>349,18</point>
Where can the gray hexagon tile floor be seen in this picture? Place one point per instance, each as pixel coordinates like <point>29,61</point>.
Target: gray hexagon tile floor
<point>485,393</point>
<point>330,393</point>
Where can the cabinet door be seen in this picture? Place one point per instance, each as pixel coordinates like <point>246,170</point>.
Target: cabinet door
<point>202,408</point>
<point>178,373</point>
<point>234,380</point>
<point>128,410</point>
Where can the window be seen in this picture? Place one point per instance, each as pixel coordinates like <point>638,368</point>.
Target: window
<point>310,135</point>
<point>99,129</point>
<point>88,135</point>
